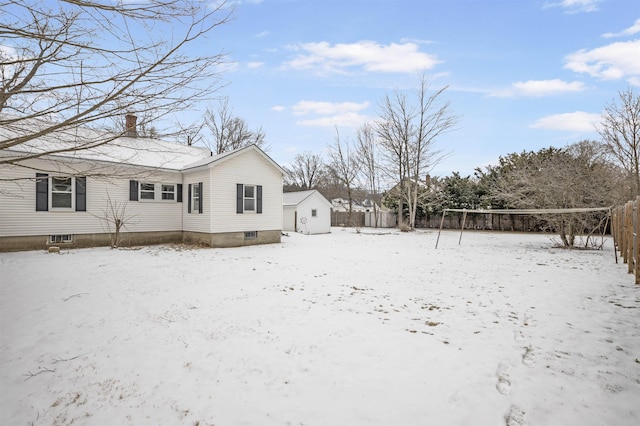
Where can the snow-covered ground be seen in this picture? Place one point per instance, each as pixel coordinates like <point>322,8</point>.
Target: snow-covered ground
<point>371,328</point>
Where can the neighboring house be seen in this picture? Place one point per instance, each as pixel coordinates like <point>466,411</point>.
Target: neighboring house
<point>306,211</point>
<point>166,192</point>
<point>342,205</point>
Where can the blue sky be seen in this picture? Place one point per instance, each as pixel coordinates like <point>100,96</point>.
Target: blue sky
<point>522,74</point>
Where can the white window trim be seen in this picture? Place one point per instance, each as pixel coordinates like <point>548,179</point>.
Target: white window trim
<point>254,198</point>
<point>172,192</point>
<point>195,188</point>
<point>157,192</point>
<point>73,194</point>
<point>64,238</point>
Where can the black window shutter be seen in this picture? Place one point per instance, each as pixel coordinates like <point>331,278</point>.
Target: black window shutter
<point>81,194</point>
<point>259,199</point>
<point>189,198</point>
<point>201,197</point>
<point>42,192</point>
<point>239,198</point>
<point>133,190</point>
<point>179,193</point>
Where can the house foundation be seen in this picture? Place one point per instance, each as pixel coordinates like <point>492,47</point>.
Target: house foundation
<point>131,239</point>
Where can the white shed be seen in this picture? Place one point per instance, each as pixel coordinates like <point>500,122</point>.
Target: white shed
<point>307,212</point>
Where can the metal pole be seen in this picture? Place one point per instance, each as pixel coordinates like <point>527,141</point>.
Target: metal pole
<point>441,223</point>
<point>464,220</point>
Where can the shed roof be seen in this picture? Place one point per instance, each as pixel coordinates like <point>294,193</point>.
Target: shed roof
<point>295,198</point>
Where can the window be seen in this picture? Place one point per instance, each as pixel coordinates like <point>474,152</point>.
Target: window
<point>168,192</point>
<point>147,191</point>
<point>67,238</point>
<point>249,198</point>
<point>155,191</point>
<point>251,235</point>
<point>196,198</point>
<point>61,192</point>
<point>314,213</point>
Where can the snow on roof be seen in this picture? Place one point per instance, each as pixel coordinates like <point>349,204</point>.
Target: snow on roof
<point>151,153</point>
<point>294,198</point>
<point>146,152</point>
<point>229,154</point>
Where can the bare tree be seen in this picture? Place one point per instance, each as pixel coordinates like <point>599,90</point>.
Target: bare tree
<point>408,134</point>
<point>78,63</point>
<point>115,218</point>
<point>367,155</point>
<point>344,167</point>
<point>306,171</point>
<point>230,132</point>
<point>620,131</point>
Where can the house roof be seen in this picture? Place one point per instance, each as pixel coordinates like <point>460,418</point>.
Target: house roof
<point>146,152</point>
<point>213,159</point>
<point>295,198</point>
<point>136,151</point>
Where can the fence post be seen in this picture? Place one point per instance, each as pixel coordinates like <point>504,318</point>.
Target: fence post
<point>636,239</point>
<point>629,246</point>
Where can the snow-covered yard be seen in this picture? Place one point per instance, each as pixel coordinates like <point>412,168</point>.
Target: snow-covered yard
<point>376,328</point>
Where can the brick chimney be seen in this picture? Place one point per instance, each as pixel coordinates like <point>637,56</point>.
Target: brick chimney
<point>130,126</point>
<point>427,180</point>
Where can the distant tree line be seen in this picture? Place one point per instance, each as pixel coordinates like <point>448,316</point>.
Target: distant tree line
<point>389,162</point>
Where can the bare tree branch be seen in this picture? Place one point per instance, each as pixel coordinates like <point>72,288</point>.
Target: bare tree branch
<point>620,131</point>
<point>79,63</point>
<point>230,132</point>
<point>307,170</point>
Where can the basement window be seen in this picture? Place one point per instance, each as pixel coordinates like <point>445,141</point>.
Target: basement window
<point>251,235</point>
<point>63,238</point>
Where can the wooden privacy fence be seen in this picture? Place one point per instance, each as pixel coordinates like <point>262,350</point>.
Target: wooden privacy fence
<point>353,219</point>
<point>363,219</point>
<point>625,229</point>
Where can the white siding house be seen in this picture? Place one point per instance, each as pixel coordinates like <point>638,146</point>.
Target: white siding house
<point>307,212</point>
<point>165,192</point>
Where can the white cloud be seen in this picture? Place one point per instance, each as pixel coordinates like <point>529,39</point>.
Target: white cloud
<point>262,34</point>
<point>578,121</point>
<point>416,40</point>
<point>325,58</point>
<point>634,29</point>
<point>538,88</point>
<point>8,52</point>
<point>254,65</point>
<point>327,108</point>
<point>278,108</point>
<point>575,6</point>
<point>612,62</point>
<point>8,55</point>
<point>329,114</point>
<point>348,119</point>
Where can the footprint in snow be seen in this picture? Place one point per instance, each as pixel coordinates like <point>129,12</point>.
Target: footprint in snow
<point>527,356</point>
<point>504,384</point>
<point>515,417</point>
